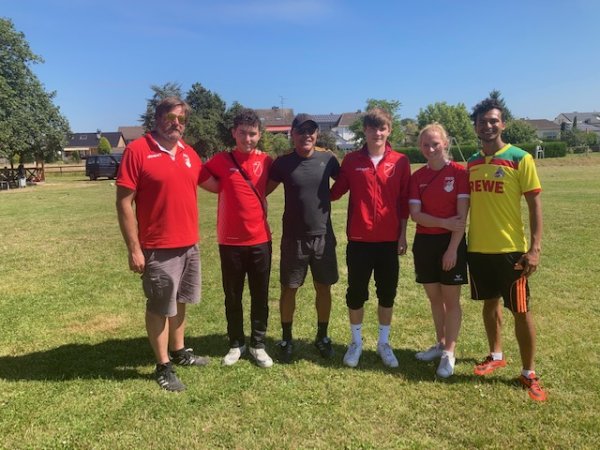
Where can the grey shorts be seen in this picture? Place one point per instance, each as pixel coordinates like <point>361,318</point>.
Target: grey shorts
<point>297,255</point>
<point>172,275</point>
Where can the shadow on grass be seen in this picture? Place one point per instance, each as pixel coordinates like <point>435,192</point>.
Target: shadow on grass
<point>117,359</point>
<point>409,368</point>
<point>120,359</point>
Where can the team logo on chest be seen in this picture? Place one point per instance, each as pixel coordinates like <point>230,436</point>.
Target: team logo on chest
<point>186,161</point>
<point>449,184</point>
<point>389,169</point>
<point>499,173</point>
<point>257,168</point>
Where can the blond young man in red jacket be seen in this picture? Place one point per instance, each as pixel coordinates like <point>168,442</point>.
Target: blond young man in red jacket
<point>377,178</point>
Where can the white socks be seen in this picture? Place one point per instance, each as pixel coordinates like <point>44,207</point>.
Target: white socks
<point>384,334</point>
<point>356,331</point>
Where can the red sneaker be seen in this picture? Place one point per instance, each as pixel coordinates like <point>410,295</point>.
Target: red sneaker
<point>488,365</point>
<point>533,387</point>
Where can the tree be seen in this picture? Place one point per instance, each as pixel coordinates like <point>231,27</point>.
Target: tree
<point>455,119</point>
<point>206,128</point>
<point>507,114</point>
<point>519,132</point>
<point>326,139</point>
<point>30,124</point>
<point>274,143</point>
<point>396,137</point>
<point>231,112</point>
<point>411,131</point>
<point>169,89</point>
<point>104,147</point>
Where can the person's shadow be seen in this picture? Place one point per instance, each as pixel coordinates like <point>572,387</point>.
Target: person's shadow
<point>117,359</point>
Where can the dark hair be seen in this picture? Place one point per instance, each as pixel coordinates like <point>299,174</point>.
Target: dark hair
<point>167,104</point>
<point>484,106</point>
<point>377,117</point>
<point>246,116</point>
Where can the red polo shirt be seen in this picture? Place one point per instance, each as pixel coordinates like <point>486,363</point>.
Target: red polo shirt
<point>165,192</point>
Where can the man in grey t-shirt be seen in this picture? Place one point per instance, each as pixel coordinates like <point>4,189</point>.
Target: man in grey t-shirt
<point>308,238</point>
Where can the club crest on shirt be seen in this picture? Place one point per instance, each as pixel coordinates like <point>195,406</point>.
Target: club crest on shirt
<point>389,169</point>
<point>449,184</point>
<point>186,161</point>
<point>499,173</point>
<point>257,168</point>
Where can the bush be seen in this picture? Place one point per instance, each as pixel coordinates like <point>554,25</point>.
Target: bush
<point>416,157</point>
<point>552,149</point>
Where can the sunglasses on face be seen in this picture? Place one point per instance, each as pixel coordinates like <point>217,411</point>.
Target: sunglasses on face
<point>306,130</point>
<point>182,119</point>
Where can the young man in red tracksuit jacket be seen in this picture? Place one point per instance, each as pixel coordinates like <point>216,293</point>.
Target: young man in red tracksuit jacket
<point>378,179</point>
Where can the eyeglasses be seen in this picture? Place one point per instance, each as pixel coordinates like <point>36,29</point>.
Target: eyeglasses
<point>306,130</point>
<point>182,119</point>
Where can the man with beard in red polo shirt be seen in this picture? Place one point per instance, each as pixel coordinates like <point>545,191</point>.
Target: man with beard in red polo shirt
<point>159,173</point>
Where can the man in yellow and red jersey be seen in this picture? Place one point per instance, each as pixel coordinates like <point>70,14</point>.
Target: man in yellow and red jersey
<point>499,260</point>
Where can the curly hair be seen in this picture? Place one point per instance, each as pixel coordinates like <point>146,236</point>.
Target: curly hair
<point>484,106</point>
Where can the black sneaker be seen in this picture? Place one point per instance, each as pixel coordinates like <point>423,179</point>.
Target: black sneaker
<point>187,358</point>
<point>324,347</point>
<point>166,378</point>
<point>286,349</point>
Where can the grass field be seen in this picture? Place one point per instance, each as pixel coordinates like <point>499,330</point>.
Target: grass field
<point>76,369</point>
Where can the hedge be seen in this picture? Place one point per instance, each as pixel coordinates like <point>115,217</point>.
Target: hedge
<point>552,149</point>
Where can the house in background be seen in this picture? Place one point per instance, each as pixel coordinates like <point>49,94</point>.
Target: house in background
<point>345,138</point>
<point>545,129</point>
<point>276,120</point>
<point>326,122</point>
<point>87,143</point>
<point>131,133</point>
<point>586,121</point>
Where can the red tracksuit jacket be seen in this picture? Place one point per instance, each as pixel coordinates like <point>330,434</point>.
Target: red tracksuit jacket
<point>378,196</point>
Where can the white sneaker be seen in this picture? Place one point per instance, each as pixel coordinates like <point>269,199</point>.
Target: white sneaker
<point>352,355</point>
<point>233,355</point>
<point>387,355</point>
<point>261,357</point>
<point>433,352</point>
<point>446,367</point>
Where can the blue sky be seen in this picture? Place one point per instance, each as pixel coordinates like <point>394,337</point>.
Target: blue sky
<point>316,56</point>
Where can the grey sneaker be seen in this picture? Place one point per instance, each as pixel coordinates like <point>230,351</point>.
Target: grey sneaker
<point>352,355</point>
<point>233,355</point>
<point>387,355</point>
<point>433,352</point>
<point>166,378</point>
<point>446,367</point>
<point>187,358</point>
<point>261,357</point>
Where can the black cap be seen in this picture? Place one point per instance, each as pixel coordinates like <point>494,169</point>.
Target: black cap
<point>301,119</point>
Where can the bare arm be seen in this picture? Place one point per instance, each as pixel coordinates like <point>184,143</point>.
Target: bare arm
<point>129,230</point>
<point>531,260</point>
<point>455,223</point>
<point>402,243</point>
<point>271,185</point>
<point>451,254</point>
<point>210,185</point>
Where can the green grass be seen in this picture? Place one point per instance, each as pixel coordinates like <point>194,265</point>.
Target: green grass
<point>75,366</point>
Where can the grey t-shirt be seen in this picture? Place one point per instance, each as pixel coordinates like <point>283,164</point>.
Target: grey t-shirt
<point>306,183</point>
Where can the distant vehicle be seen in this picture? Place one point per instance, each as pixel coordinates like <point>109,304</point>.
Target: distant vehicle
<point>97,166</point>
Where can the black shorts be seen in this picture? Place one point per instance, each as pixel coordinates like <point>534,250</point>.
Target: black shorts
<point>428,250</point>
<point>494,275</point>
<point>297,255</point>
<point>379,259</point>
